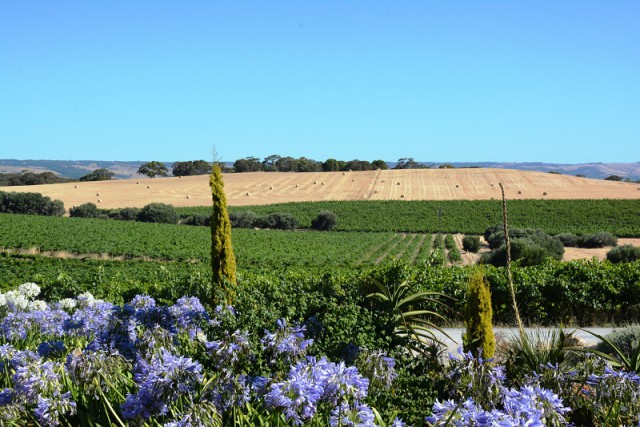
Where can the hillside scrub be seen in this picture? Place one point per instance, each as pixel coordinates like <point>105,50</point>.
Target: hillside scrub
<point>624,253</point>
<point>30,204</point>
<point>528,247</point>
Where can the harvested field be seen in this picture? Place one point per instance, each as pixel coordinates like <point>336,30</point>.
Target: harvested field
<point>262,188</point>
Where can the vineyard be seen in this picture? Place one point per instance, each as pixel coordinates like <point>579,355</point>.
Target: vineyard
<point>619,217</point>
<point>254,249</point>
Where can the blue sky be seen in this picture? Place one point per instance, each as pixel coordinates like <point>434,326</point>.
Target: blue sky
<point>551,81</point>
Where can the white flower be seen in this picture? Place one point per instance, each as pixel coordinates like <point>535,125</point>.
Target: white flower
<point>38,305</point>
<point>16,299</point>
<point>29,290</point>
<point>3,300</point>
<point>68,303</point>
<point>86,299</point>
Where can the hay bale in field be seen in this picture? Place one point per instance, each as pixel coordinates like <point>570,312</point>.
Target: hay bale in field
<point>99,200</point>
<point>188,196</point>
<point>322,183</point>
<point>248,194</point>
<point>398,183</point>
<point>75,186</point>
<point>97,194</point>
<point>148,186</point>
<point>315,182</point>
<point>137,182</point>
<point>519,192</point>
<point>271,187</point>
<point>297,185</point>
<point>544,194</point>
<point>457,186</point>
<point>402,196</point>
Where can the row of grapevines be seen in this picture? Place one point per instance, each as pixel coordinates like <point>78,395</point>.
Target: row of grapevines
<point>619,217</point>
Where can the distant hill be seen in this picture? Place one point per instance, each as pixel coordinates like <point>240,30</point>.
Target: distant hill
<point>123,170</point>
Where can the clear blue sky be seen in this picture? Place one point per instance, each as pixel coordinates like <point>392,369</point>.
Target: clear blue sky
<point>552,81</point>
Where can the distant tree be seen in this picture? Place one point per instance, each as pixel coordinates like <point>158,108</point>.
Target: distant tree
<point>446,166</point>
<point>98,175</point>
<point>358,165</point>
<point>153,169</point>
<point>223,261</point>
<point>269,164</point>
<point>331,165</point>
<point>308,165</point>
<point>408,163</point>
<point>379,164</point>
<point>580,175</point>
<point>613,178</point>
<point>287,164</point>
<point>30,204</point>
<point>248,164</point>
<point>191,167</point>
<point>471,243</point>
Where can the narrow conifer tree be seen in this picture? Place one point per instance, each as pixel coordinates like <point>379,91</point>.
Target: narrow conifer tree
<point>223,262</point>
<point>478,316</point>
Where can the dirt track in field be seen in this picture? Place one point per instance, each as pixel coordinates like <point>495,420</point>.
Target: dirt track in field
<point>261,188</point>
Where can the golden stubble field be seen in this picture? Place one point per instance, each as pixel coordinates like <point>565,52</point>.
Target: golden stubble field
<point>261,188</point>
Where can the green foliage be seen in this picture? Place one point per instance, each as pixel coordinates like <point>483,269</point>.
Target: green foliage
<point>569,240</point>
<point>223,261</point>
<point>191,167</point>
<point>624,253</point>
<point>86,210</point>
<point>158,212</point>
<point>551,216</point>
<point>478,317</point>
<point>197,220</point>
<point>534,351</point>
<point>597,240</point>
<point>98,175</point>
<point>277,221</point>
<point>125,214</point>
<point>626,340</point>
<point>613,178</point>
<point>243,219</point>
<point>471,244</point>
<point>529,247</point>
<point>625,356</point>
<point>30,204</point>
<point>153,169</point>
<point>30,178</point>
<point>407,316</point>
<point>325,221</point>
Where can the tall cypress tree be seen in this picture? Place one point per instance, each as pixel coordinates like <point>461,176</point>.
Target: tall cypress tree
<point>478,316</point>
<point>223,262</point>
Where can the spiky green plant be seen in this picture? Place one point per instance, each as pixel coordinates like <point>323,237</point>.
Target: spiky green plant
<point>223,261</point>
<point>478,317</point>
<point>411,322</point>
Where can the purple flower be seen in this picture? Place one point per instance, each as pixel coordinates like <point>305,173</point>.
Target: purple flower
<point>352,415</point>
<point>51,349</point>
<point>163,380</point>
<point>50,409</point>
<point>286,341</point>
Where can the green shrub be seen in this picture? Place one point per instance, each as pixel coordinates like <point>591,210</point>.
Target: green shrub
<point>597,240</point>
<point>125,214</point>
<point>30,204</point>
<point>197,220</point>
<point>478,318</point>
<point>492,230</point>
<point>158,212</point>
<point>325,221</point>
<point>624,253</point>
<point>568,239</point>
<point>86,210</point>
<point>243,219</point>
<point>471,243</point>
<point>526,251</point>
<point>278,221</point>
<point>626,339</point>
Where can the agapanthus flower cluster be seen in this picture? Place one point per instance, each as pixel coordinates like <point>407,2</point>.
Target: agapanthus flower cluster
<point>287,343</point>
<point>312,382</point>
<point>475,377</point>
<point>90,348</point>
<point>161,381</point>
<point>614,390</point>
<point>534,407</point>
<point>378,367</point>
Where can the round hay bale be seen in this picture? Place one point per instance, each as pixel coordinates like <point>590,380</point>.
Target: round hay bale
<point>137,182</point>
<point>248,194</point>
<point>188,196</point>
<point>148,186</point>
<point>315,182</point>
<point>519,192</point>
<point>457,186</point>
<point>99,200</point>
<point>297,185</point>
<point>322,183</point>
<point>398,183</point>
<point>544,194</point>
<point>402,196</point>
<point>75,186</point>
<point>353,180</point>
<point>97,194</point>
<point>382,180</point>
<point>271,187</point>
